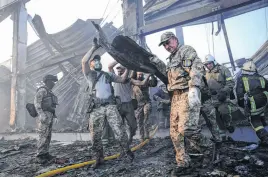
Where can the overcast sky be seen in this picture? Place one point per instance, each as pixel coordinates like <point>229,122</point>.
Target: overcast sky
<point>246,32</point>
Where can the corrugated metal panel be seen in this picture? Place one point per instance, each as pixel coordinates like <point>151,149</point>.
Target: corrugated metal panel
<point>5,3</point>
<point>76,39</point>
<point>261,59</point>
<point>67,38</point>
<point>160,4</point>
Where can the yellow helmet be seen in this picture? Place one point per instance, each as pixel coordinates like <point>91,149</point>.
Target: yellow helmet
<point>249,66</point>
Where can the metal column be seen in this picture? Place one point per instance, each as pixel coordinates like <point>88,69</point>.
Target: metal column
<point>18,83</point>
<point>227,43</point>
<point>179,34</point>
<point>140,20</point>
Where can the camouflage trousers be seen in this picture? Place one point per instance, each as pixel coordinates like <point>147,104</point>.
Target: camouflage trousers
<point>184,130</point>
<point>44,131</point>
<point>163,117</point>
<point>107,134</point>
<point>209,113</point>
<point>224,111</point>
<point>128,116</point>
<point>96,123</point>
<point>142,114</point>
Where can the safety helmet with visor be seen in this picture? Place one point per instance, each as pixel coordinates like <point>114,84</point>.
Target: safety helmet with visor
<point>249,66</point>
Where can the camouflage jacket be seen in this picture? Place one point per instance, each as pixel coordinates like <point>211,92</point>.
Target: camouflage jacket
<point>45,100</point>
<point>220,78</point>
<point>184,69</point>
<point>141,93</point>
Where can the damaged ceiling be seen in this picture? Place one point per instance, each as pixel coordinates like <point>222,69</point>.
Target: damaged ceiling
<point>261,59</point>
<point>164,14</point>
<point>74,41</point>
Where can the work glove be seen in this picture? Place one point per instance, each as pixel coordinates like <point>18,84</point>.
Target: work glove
<point>231,129</point>
<point>222,96</point>
<point>194,97</point>
<point>213,92</point>
<point>56,120</point>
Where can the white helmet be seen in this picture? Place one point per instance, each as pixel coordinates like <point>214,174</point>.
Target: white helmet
<point>209,58</point>
<point>249,66</point>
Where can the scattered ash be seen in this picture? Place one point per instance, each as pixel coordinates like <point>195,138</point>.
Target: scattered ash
<point>155,159</point>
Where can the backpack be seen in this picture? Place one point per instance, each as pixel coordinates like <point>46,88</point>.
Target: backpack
<point>31,109</point>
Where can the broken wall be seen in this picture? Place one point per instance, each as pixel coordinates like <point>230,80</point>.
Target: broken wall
<point>5,87</point>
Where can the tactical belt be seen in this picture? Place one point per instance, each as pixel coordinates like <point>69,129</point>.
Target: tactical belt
<point>103,102</point>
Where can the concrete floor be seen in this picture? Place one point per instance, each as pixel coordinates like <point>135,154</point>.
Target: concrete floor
<point>241,134</point>
<point>69,137</point>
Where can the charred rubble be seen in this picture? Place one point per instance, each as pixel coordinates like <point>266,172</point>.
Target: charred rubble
<point>157,158</point>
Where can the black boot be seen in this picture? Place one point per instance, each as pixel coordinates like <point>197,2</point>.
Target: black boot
<point>124,155</point>
<point>130,155</point>
<point>44,158</point>
<point>264,141</point>
<point>177,172</point>
<point>263,136</point>
<point>50,157</point>
<point>146,135</point>
<point>99,161</point>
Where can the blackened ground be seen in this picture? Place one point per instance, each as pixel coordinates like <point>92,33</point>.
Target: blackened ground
<point>157,158</point>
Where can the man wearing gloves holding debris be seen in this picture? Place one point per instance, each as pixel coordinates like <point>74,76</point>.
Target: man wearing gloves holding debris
<point>124,91</point>
<point>45,103</point>
<point>163,106</point>
<point>103,104</point>
<point>220,83</point>
<point>142,113</point>
<point>185,71</point>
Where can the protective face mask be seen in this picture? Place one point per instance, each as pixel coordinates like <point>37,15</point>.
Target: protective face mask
<point>97,66</point>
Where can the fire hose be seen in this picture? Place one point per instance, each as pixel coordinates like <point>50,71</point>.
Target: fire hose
<point>79,165</point>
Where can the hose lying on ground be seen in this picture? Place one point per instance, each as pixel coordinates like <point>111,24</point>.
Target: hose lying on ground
<point>79,165</point>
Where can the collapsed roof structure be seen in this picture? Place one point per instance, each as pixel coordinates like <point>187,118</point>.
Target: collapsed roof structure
<point>58,53</point>
<point>61,52</point>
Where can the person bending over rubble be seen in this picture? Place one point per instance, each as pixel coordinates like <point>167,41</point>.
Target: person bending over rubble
<point>124,91</point>
<point>252,95</point>
<point>142,113</point>
<point>45,104</point>
<point>103,105</point>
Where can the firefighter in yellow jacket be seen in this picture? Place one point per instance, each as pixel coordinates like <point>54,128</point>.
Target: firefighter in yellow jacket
<point>252,95</point>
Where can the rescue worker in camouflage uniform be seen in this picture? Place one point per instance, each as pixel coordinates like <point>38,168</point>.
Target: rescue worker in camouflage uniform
<point>45,104</point>
<point>103,105</point>
<point>208,112</point>
<point>124,91</point>
<point>252,95</point>
<point>221,85</point>
<point>142,113</point>
<point>184,71</point>
<point>163,106</point>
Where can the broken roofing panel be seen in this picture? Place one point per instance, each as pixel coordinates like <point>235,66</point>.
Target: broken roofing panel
<point>261,59</point>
